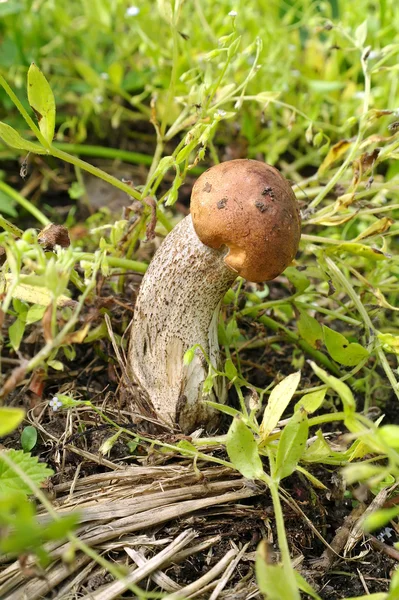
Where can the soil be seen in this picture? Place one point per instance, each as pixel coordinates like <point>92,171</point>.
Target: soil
<point>70,443</point>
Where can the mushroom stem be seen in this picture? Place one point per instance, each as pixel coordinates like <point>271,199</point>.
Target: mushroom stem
<point>177,308</point>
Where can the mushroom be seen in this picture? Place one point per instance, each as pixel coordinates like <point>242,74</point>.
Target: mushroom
<point>245,222</point>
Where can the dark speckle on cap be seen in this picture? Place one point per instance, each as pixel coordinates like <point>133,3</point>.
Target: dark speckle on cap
<point>268,191</point>
<point>261,206</point>
<point>222,203</point>
<point>207,187</point>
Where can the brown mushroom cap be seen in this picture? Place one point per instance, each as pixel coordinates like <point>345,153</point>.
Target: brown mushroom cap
<point>249,207</point>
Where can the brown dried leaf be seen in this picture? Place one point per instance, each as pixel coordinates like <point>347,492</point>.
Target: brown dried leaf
<point>46,323</point>
<point>77,337</point>
<point>17,375</point>
<point>376,228</point>
<point>334,154</point>
<point>364,164</point>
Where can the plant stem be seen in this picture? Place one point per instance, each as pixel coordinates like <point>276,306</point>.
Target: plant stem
<point>28,206</point>
<point>102,152</point>
<point>7,226</point>
<point>289,571</point>
<point>109,179</point>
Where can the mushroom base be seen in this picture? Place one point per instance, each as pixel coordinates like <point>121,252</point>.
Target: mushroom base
<point>178,307</point>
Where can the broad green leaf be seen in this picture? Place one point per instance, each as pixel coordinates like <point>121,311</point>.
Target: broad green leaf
<point>16,332</point>
<point>242,449</point>
<point>59,528</point>
<point>7,204</point>
<point>338,386</point>
<point>230,369</point>
<point>187,448</point>
<point>292,444</point>
<point>312,401</point>
<point>208,383</point>
<point>390,435</point>
<point>342,351</point>
<point>278,402</point>
<point>11,482</point>
<point>318,450</point>
<point>304,586</point>
<point>379,518</point>
<point>41,99</point>
<point>376,596</point>
<point>389,341</point>
<point>28,438</point>
<point>35,313</point>
<point>224,408</point>
<point>358,250</point>
<point>271,578</point>
<point>10,418</point>
<point>90,76</point>
<point>394,586</point>
<point>297,278</point>
<point>35,294</point>
<point>115,71</point>
<point>362,472</point>
<point>10,8</point>
<point>310,329</point>
<point>57,365</point>
<point>13,139</point>
<point>361,34</point>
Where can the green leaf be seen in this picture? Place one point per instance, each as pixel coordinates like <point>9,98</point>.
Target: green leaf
<point>35,313</point>
<point>342,351</point>
<point>208,383</point>
<point>271,578</point>
<point>242,449</point>
<point>394,586</point>
<point>312,401</point>
<point>7,204</point>
<point>379,518</point>
<point>304,586</point>
<point>187,448</point>
<point>376,596</point>
<point>11,482</point>
<point>57,365</point>
<point>297,278</point>
<point>310,329</point>
<point>230,369</point>
<point>318,450</point>
<point>10,8</point>
<point>13,139</point>
<point>224,408</point>
<point>390,435</point>
<point>59,528</point>
<point>362,472</point>
<point>292,444</point>
<point>338,386</point>
<point>41,99</point>
<point>10,418</point>
<point>361,34</point>
<point>28,438</point>
<point>15,333</point>
<point>278,402</point>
